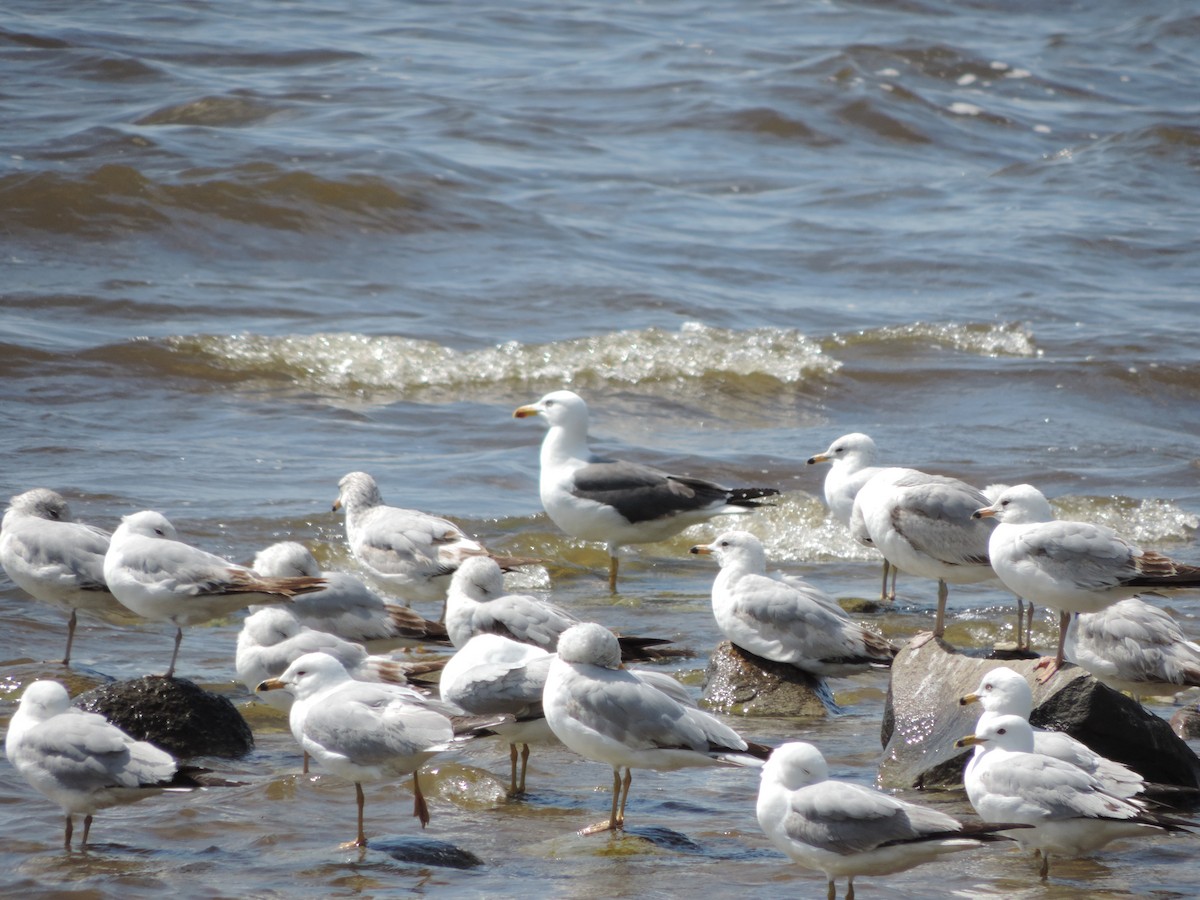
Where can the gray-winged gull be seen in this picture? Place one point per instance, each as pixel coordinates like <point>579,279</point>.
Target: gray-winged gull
<point>609,714</point>
<point>1070,566</point>
<point>161,578</point>
<point>615,502</point>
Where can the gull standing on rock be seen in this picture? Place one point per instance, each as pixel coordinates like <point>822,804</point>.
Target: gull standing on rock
<point>478,604</point>
<point>616,502</point>
<point>1134,646</point>
<point>1005,692</point>
<point>844,829</point>
<point>53,558</point>
<point>161,578</point>
<point>786,621</point>
<point>83,762</point>
<point>1071,811</point>
<point>364,732</point>
<point>922,525</point>
<point>609,714</point>
<point>1074,567</point>
<point>346,606</point>
<point>851,457</point>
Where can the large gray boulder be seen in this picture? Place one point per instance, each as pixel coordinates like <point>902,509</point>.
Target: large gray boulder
<point>174,714</point>
<point>739,683</point>
<point>923,718</point>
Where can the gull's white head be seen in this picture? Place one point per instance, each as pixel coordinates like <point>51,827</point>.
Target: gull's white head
<point>1003,691</point>
<point>269,626</point>
<point>307,675</point>
<point>589,644</point>
<point>735,547</point>
<point>42,700</point>
<point>855,450</point>
<point>357,490</point>
<point>146,523</point>
<point>795,765</point>
<point>1022,504</point>
<point>42,503</point>
<point>284,560</point>
<point>1004,732</point>
<point>478,578</point>
<point>560,409</point>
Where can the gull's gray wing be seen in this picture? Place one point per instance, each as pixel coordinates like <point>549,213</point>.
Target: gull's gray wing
<point>849,818</point>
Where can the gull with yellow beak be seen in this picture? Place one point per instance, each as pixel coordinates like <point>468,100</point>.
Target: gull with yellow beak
<point>1071,812</point>
<point>614,502</point>
<point>1074,567</point>
<point>367,732</point>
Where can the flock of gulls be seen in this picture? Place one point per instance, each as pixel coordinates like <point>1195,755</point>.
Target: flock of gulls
<point>528,672</point>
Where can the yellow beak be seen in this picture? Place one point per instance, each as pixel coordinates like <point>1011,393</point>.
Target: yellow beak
<point>271,684</point>
<point>970,741</point>
<point>524,412</point>
<point>967,699</point>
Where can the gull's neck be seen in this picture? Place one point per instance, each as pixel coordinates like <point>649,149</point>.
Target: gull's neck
<point>565,443</point>
<point>734,567</point>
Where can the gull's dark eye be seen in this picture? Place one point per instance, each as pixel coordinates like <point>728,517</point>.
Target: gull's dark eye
<point>987,687</point>
<point>1002,731</point>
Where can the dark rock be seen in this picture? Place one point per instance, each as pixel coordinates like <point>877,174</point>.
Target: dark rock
<point>1121,729</point>
<point>174,714</point>
<point>426,852</point>
<point>740,683</point>
<point>923,718</point>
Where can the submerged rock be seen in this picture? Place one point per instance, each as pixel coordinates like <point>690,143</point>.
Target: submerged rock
<point>1186,722</point>
<point>425,852</point>
<point>740,683</point>
<point>174,714</point>
<point>923,719</point>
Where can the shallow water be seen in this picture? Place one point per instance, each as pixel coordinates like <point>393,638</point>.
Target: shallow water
<point>248,249</point>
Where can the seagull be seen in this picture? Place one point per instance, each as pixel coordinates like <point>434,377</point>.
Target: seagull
<point>55,559</point>
<point>922,525</point>
<point>1070,566</point>
<point>346,606</point>
<point>272,638</point>
<point>611,715</point>
<point>478,604</point>
<point>1070,810</point>
<point>413,551</point>
<point>493,674</point>
<point>81,761</point>
<point>844,829</point>
<point>1005,692</point>
<point>1024,623</point>
<point>161,578</point>
<point>1134,646</point>
<point>850,457</point>
<point>364,732</point>
<point>616,502</point>
<point>786,621</point>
